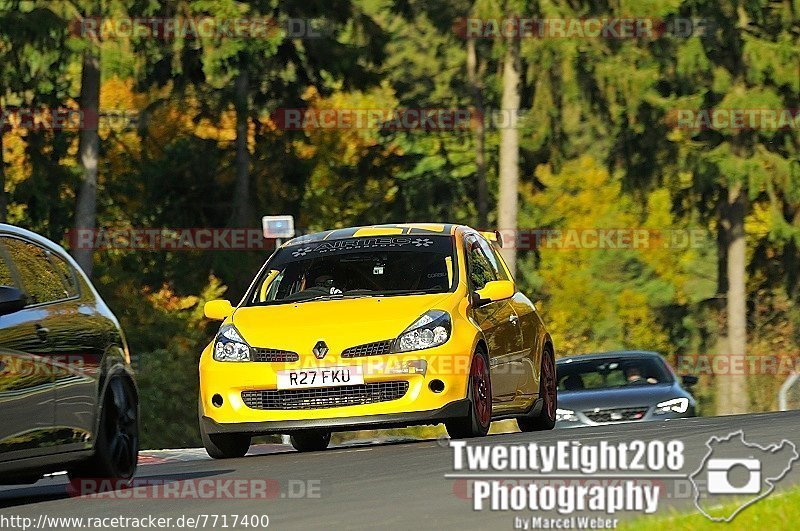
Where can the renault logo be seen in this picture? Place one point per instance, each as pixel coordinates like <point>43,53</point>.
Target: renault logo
<point>320,349</point>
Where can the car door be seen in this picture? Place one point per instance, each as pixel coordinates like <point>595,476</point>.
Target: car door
<point>525,363</point>
<point>497,320</point>
<point>72,358</point>
<point>26,378</point>
<point>79,336</point>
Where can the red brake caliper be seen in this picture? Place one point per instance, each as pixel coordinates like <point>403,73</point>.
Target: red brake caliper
<point>550,388</point>
<point>482,394</point>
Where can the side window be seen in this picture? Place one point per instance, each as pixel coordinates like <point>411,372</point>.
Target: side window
<point>501,270</point>
<point>491,253</point>
<point>40,279</point>
<point>68,275</point>
<point>479,264</point>
<point>6,279</point>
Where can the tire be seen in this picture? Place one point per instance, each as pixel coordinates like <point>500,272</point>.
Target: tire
<point>546,419</point>
<point>477,422</point>
<point>310,441</point>
<point>222,445</point>
<point>116,449</point>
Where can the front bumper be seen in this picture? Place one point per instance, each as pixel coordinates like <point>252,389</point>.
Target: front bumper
<point>457,409</point>
<point>583,420</point>
<point>419,405</point>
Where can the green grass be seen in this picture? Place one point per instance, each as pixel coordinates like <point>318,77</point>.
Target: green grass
<point>779,510</point>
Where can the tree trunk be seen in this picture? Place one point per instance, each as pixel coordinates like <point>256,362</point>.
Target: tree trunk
<point>242,210</point>
<point>733,385</point>
<point>3,198</point>
<point>791,259</point>
<point>86,211</point>
<point>480,133</point>
<point>723,232</point>
<point>509,153</point>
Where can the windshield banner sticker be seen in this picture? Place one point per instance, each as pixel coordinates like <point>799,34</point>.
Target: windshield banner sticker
<point>427,243</point>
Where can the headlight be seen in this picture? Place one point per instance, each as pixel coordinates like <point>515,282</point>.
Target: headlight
<point>566,415</point>
<point>229,345</point>
<point>430,330</point>
<point>678,405</point>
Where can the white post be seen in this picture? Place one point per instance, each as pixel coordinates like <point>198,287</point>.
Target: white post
<point>782,402</point>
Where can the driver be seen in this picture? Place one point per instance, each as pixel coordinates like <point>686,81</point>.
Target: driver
<point>633,375</point>
<point>326,284</point>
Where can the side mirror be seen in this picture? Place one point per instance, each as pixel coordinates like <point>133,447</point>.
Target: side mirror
<point>496,290</point>
<point>689,380</point>
<point>218,309</point>
<point>11,300</point>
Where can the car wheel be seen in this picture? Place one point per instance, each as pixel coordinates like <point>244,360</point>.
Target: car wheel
<point>223,445</point>
<point>310,441</point>
<point>546,419</point>
<point>477,423</point>
<point>117,444</point>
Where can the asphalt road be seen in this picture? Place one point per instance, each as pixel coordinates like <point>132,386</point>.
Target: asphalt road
<point>390,485</point>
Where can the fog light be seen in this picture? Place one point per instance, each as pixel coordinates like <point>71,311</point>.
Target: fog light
<point>216,400</point>
<point>437,386</point>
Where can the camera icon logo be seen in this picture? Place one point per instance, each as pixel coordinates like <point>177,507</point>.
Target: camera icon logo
<point>735,474</point>
<point>719,481</point>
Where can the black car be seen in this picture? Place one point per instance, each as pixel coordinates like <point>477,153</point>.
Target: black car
<point>622,386</point>
<point>68,399</point>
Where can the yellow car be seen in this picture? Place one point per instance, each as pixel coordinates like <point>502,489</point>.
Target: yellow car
<point>376,327</point>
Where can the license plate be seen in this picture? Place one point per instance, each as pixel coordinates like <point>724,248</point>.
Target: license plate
<point>322,377</point>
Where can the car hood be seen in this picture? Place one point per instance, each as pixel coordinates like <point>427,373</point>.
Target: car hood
<point>340,323</point>
<point>639,395</point>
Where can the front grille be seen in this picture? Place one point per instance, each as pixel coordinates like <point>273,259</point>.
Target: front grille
<point>368,349</point>
<point>617,414</point>
<point>273,355</point>
<point>345,395</point>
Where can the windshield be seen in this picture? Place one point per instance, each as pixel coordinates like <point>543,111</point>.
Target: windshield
<point>357,267</point>
<point>607,373</point>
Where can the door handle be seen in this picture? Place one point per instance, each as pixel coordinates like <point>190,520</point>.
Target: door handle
<point>42,332</point>
<point>513,319</point>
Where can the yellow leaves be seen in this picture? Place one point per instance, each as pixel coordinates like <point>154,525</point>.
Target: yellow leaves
<point>117,93</point>
<point>174,118</point>
<point>668,262</point>
<point>346,143</point>
<point>166,300</point>
<point>658,209</point>
<point>759,219</point>
<point>17,165</point>
<point>223,129</point>
<point>338,151</point>
<point>599,295</point>
<point>583,192</point>
<point>638,324</point>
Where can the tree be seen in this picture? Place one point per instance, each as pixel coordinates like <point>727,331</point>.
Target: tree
<point>508,197</point>
<point>476,69</point>
<point>89,151</point>
<point>242,205</point>
<point>745,64</point>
